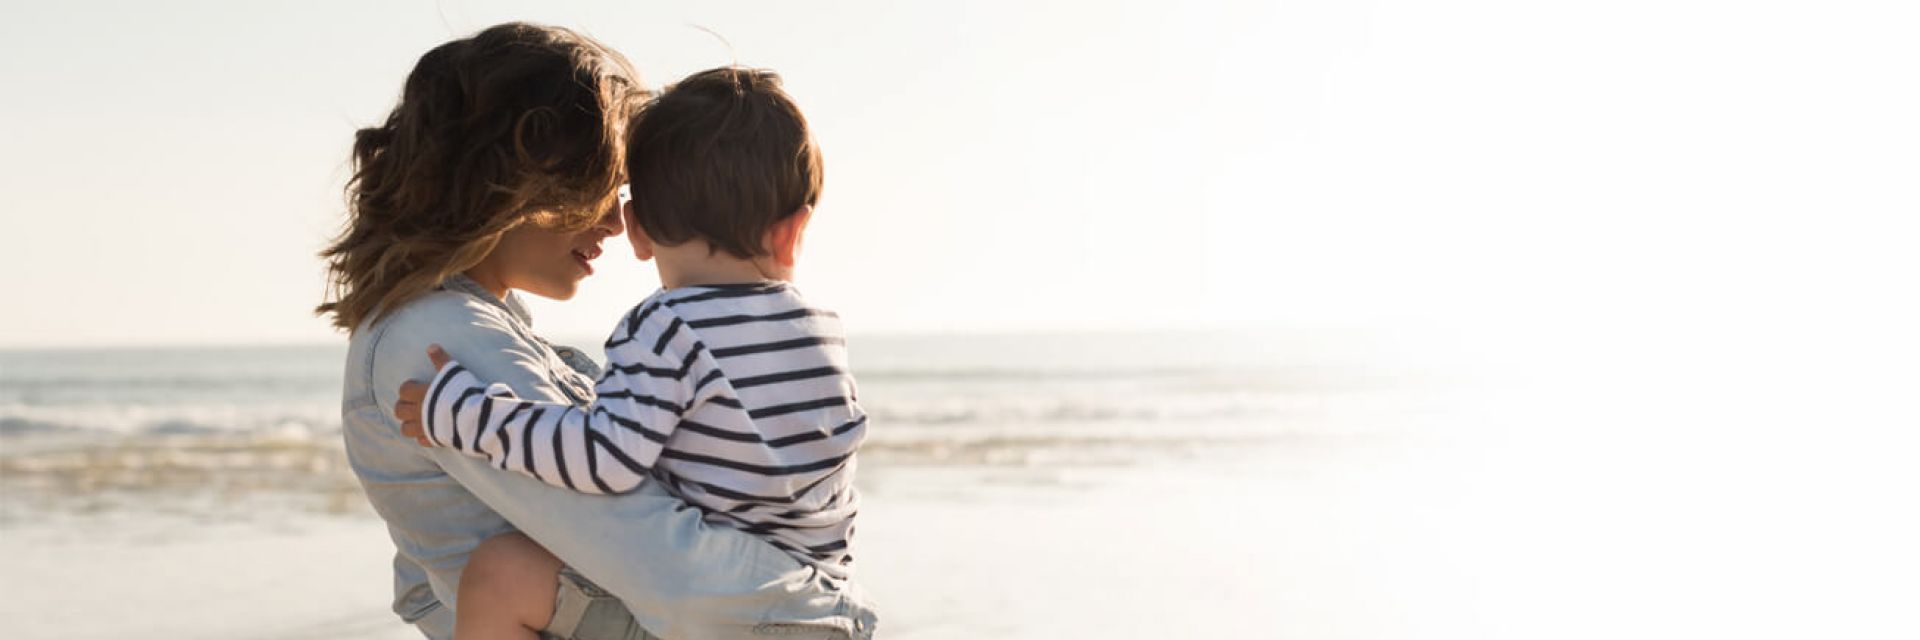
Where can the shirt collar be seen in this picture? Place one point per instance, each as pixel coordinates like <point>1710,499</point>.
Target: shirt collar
<point>460,283</point>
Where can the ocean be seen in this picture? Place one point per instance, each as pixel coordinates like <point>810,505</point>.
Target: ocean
<point>1245,462</point>
<point>83,426</point>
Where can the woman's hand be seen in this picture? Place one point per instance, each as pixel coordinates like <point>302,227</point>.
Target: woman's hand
<point>413,393</point>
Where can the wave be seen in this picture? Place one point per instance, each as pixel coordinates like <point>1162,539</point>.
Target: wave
<point>230,463</point>
<point>165,420</point>
<point>961,411</point>
<point>957,397</point>
<point>1278,378</point>
<point>937,411</point>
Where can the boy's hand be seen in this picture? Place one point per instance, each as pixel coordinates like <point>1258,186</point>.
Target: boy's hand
<point>413,393</point>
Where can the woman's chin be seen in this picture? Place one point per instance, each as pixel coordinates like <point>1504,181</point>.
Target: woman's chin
<point>555,290</point>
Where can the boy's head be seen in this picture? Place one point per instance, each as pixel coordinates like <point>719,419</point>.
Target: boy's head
<point>722,156</point>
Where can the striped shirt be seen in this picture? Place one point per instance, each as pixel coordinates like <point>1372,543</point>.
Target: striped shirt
<point>736,397</point>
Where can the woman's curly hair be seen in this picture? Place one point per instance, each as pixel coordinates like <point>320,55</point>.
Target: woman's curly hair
<point>518,123</point>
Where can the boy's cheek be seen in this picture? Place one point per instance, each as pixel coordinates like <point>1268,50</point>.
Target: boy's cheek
<point>642,245</point>
<point>642,248</point>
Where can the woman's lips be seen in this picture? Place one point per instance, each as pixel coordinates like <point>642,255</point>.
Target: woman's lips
<point>584,256</point>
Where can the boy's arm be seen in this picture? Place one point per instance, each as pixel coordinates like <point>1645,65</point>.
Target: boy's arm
<point>606,448</point>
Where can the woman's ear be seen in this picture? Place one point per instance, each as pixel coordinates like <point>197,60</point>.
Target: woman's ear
<point>783,240</point>
<point>642,245</point>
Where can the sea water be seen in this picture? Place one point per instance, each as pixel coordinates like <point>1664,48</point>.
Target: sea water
<point>113,427</point>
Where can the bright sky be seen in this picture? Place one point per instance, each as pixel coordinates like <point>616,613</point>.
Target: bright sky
<point>170,169</point>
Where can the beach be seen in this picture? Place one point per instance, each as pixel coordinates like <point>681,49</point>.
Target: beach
<point>1271,320</point>
<point>1041,487</point>
<point>1020,487</point>
<point>949,551</point>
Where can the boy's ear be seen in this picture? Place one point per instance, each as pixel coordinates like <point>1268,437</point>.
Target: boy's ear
<point>642,245</point>
<point>783,240</point>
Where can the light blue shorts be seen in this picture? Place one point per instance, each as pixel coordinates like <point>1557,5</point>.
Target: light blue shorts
<point>584,611</point>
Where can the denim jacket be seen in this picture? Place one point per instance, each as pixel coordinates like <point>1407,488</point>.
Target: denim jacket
<point>680,576</point>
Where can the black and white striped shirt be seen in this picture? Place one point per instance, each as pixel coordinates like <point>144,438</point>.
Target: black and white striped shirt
<point>737,397</point>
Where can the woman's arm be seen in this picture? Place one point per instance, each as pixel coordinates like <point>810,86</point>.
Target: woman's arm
<point>680,576</point>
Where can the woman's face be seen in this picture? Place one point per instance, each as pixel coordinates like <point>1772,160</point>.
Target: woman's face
<point>543,261</point>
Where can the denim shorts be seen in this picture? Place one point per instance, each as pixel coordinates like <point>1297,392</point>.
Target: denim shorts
<point>584,611</point>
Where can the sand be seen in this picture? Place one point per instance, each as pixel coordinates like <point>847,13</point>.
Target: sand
<point>1136,550</point>
<point>1313,539</point>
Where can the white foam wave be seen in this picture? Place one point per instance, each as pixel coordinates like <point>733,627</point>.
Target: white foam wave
<point>146,419</point>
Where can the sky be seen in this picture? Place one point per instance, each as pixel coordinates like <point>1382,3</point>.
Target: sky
<point>1533,171</point>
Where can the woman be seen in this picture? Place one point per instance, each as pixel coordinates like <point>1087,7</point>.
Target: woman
<point>498,172</point>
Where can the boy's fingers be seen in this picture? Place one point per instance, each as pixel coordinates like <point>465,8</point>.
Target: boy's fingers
<point>413,391</point>
<point>413,430</point>
<point>412,395</point>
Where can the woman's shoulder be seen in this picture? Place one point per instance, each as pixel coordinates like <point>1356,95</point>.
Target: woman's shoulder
<point>447,317</point>
<point>458,321</point>
<point>443,310</point>
<point>482,334</point>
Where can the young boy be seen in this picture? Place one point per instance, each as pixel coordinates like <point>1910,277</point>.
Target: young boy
<point>725,385</point>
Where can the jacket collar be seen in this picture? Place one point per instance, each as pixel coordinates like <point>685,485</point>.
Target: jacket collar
<point>460,283</point>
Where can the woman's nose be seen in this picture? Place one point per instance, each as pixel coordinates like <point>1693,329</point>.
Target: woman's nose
<point>611,222</point>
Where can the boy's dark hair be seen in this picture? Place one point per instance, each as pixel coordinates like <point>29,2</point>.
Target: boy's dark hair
<point>721,155</point>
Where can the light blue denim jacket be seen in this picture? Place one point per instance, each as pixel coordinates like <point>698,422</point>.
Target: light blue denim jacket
<point>680,576</point>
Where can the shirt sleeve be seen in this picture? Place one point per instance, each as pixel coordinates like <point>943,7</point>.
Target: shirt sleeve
<point>608,447</point>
